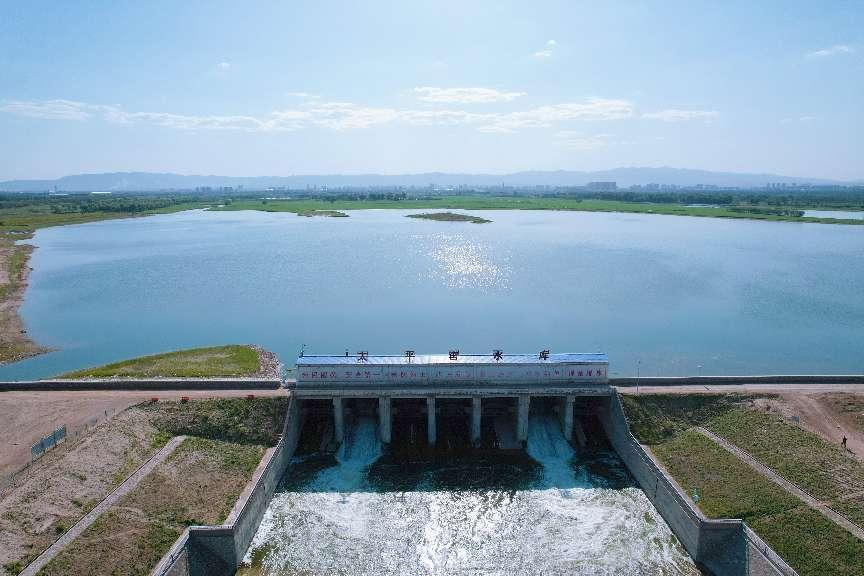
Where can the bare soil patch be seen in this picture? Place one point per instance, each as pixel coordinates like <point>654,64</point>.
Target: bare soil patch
<point>830,416</point>
<point>27,416</point>
<point>197,485</point>
<point>52,495</point>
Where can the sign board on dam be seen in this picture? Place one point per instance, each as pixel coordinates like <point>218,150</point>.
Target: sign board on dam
<point>442,370</point>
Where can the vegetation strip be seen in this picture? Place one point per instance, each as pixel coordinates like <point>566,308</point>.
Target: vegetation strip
<point>742,210</point>
<point>232,360</point>
<point>450,217</point>
<point>789,487</point>
<point>127,486</point>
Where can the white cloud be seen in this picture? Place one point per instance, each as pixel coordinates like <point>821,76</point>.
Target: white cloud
<point>464,95</point>
<point>347,116</point>
<point>802,119</point>
<point>547,52</point>
<point>297,94</point>
<point>332,115</point>
<point>223,65</point>
<point>547,116</point>
<point>831,51</point>
<point>49,109</point>
<point>675,115</point>
<point>582,142</point>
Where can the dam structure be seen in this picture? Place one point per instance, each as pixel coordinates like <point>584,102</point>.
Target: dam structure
<point>431,464</point>
<point>438,386</point>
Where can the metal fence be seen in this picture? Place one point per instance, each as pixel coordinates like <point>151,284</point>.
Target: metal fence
<point>47,442</point>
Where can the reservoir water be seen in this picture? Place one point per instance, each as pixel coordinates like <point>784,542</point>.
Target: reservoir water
<point>675,295</point>
<point>573,515</point>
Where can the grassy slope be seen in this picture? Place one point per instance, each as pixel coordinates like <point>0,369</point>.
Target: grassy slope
<point>730,488</point>
<point>257,421</point>
<point>197,485</point>
<point>232,360</point>
<point>512,203</point>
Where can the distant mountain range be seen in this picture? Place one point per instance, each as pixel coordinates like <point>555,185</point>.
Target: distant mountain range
<point>148,181</point>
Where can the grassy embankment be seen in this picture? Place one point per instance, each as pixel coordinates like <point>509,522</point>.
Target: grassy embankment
<point>217,361</point>
<point>20,217</point>
<point>526,203</point>
<point>729,488</point>
<point>450,217</point>
<point>197,485</point>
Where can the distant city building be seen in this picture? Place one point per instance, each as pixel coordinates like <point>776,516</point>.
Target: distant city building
<point>602,186</point>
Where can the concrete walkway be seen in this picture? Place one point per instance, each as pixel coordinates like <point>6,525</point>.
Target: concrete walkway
<point>79,527</point>
<point>788,486</point>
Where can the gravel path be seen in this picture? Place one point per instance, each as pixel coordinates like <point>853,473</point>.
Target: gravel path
<point>127,486</point>
<point>788,486</point>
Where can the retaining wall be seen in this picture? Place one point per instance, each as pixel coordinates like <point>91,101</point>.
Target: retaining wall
<point>142,384</point>
<point>218,550</point>
<point>724,547</point>
<point>755,379</point>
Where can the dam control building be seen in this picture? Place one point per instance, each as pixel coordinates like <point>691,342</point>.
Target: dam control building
<point>489,392</point>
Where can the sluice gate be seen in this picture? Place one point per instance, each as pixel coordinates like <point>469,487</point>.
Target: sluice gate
<point>451,401</point>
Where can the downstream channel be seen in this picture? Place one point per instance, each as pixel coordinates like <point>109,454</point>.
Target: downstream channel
<point>547,510</point>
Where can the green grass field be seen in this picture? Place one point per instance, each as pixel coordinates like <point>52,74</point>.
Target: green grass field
<point>729,488</point>
<point>233,360</point>
<point>516,203</point>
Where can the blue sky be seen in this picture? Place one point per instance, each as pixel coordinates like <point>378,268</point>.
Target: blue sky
<point>279,88</point>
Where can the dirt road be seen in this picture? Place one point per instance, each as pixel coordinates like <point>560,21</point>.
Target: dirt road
<point>27,416</point>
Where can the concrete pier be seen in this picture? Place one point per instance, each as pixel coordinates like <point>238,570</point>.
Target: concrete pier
<point>567,416</point>
<point>579,434</point>
<point>522,412</point>
<point>431,432</point>
<point>476,414</point>
<point>338,420</point>
<point>384,419</point>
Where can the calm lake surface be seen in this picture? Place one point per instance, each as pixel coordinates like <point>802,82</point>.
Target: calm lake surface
<point>677,295</point>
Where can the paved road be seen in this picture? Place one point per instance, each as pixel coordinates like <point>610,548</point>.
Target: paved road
<point>744,388</point>
<point>785,484</point>
<point>79,527</point>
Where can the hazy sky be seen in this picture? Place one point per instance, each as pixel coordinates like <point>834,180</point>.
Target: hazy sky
<point>278,88</point>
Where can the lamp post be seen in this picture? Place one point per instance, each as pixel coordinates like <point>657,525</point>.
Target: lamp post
<point>638,364</point>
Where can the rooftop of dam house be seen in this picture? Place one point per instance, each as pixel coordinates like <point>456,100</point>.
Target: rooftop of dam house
<point>417,370</point>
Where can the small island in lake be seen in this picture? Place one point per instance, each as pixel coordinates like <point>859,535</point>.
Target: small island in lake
<point>451,217</point>
<point>327,213</point>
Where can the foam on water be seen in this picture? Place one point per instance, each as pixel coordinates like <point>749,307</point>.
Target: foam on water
<point>567,523</point>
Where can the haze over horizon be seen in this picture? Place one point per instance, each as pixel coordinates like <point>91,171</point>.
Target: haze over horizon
<point>272,88</point>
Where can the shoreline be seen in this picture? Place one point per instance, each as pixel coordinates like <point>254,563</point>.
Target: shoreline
<point>15,343</point>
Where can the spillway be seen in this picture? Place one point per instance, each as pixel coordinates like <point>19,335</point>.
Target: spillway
<point>572,514</point>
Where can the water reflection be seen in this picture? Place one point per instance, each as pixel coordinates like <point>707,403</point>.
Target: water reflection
<point>462,262</point>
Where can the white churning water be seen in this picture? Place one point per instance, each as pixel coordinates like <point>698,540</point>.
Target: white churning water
<point>569,522</point>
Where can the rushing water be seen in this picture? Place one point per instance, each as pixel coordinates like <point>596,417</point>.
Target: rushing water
<point>680,295</point>
<point>571,518</point>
